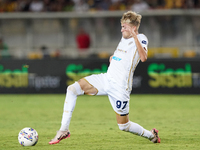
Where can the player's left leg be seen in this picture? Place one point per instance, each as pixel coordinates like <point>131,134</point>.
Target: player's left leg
<point>122,110</point>
<point>129,126</point>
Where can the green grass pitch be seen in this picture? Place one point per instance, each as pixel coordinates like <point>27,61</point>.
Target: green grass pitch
<point>93,125</point>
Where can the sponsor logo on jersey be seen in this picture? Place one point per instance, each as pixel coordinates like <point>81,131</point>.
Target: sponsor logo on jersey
<point>123,51</point>
<point>116,58</point>
<point>144,42</point>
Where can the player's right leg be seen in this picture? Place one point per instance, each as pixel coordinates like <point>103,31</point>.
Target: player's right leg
<point>74,90</point>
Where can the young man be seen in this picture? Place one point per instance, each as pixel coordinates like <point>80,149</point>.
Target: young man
<point>116,83</point>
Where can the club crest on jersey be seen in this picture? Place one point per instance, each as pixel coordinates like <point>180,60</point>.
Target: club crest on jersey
<point>130,43</point>
<point>144,42</point>
<point>116,58</point>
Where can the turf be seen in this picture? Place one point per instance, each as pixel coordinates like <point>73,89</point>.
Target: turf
<point>93,125</point>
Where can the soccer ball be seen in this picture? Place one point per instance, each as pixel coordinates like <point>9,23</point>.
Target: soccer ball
<point>28,137</point>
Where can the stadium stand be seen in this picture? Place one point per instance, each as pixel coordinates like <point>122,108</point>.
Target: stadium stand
<point>172,26</point>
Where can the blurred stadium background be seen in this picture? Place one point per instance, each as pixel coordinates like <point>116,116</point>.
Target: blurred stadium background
<point>43,35</point>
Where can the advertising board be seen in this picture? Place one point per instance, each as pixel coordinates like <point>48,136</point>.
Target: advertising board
<point>178,76</point>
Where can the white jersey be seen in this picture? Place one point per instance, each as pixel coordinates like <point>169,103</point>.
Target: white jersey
<point>124,62</point>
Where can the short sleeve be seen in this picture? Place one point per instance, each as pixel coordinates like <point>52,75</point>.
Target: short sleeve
<point>143,40</point>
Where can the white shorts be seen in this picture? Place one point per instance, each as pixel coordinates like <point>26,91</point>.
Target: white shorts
<point>119,98</point>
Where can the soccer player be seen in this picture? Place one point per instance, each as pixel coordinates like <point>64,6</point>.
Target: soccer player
<point>116,83</point>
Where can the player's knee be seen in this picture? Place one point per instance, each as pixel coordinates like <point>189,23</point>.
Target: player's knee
<point>71,88</point>
<point>124,127</point>
<point>75,89</point>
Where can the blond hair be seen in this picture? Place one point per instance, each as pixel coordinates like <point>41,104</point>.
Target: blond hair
<point>132,18</point>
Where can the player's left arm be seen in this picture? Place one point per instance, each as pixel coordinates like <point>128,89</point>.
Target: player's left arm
<point>141,50</point>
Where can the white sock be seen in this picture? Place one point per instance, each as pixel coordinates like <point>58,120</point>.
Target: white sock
<point>70,101</point>
<point>136,129</point>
